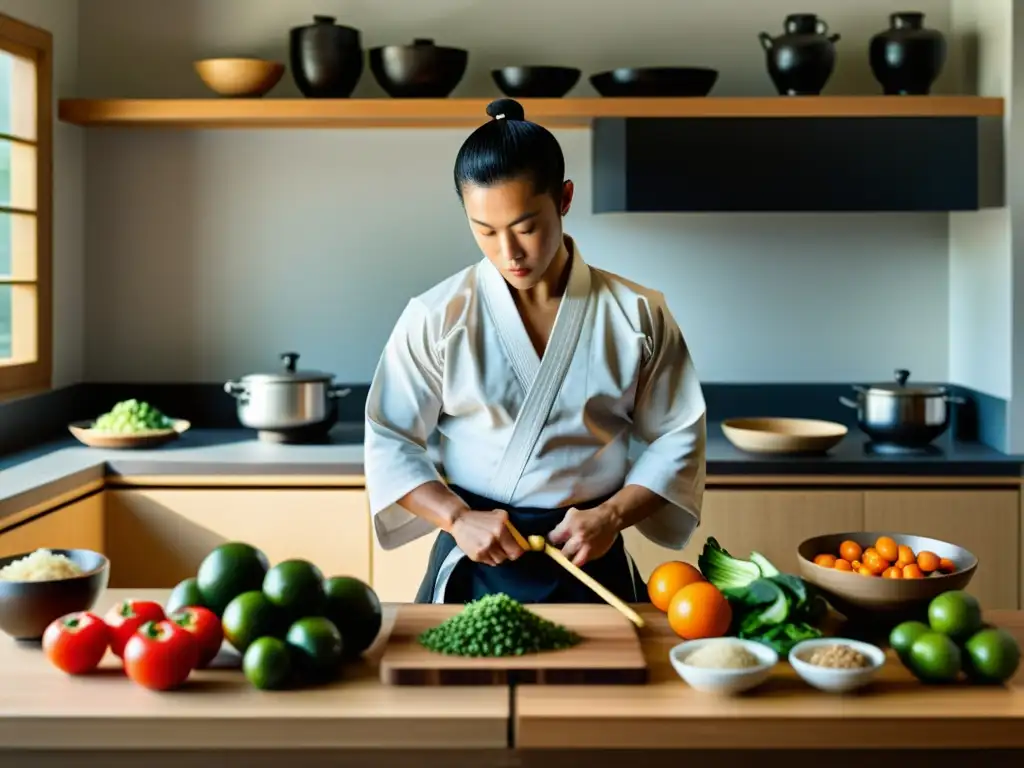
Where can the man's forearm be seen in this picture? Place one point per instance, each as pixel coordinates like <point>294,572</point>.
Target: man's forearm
<point>632,504</point>
<point>436,503</point>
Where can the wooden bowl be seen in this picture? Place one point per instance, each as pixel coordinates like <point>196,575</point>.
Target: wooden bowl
<point>250,78</point>
<point>876,600</point>
<point>781,435</point>
<point>28,607</point>
<point>84,432</point>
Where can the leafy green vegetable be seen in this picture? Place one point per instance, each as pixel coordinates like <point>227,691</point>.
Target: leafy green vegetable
<point>770,607</point>
<point>131,416</point>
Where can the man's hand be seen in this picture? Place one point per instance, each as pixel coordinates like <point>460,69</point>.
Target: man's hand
<point>484,537</point>
<point>586,534</point>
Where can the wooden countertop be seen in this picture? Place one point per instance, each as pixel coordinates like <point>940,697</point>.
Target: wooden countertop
<point>42,708</point>
<point>785,713</point>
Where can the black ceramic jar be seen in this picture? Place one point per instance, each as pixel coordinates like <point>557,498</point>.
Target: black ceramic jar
<point>907,58</point>
<point>326,58</point>
<point>801,60</point>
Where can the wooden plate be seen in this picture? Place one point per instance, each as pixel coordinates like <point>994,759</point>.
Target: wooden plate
<point>783,435</point>
<point>86,435</point>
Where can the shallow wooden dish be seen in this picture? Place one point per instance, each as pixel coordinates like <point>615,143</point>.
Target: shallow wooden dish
<point>783,435</point>
<point>874,599</point>
<point>85,434</point>
<point>249,78</point>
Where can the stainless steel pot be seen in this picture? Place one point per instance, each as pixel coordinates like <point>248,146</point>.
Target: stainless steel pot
<point>897,414</point>
<point>289,405</point>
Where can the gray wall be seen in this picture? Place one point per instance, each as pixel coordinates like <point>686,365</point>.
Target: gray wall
<point>60,17</point>
<point>210,252</point>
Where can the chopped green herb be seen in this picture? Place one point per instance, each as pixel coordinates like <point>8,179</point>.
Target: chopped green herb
<point>496,625</point>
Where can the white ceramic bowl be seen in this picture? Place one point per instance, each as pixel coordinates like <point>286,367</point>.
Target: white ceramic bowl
<point>836,680</point>
<point>726,681</point>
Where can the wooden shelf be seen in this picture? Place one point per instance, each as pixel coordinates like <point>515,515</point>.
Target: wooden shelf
<point>447,113</point>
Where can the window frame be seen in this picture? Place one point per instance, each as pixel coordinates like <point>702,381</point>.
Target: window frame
<point>25,40</point>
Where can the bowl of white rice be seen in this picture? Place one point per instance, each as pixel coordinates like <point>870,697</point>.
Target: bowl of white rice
<point>725,665</point>
<point>38,587</point>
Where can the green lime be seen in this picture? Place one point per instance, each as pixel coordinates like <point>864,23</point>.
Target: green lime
<point>354,608</point>
<point>903,636</point>
<point>956,614</point>
<point>316,647</point>
<point>934,658</point>
<point>267,664</point>
<point>185,594</point>
<point>296,587</point>
<point>228,571</point>
<point>992,656</point>
<point>248,617</point>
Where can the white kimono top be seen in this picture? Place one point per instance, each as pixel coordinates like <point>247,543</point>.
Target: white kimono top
<point>529,431</point>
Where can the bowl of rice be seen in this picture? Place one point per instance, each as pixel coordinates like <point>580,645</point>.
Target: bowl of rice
<point>725,665</point>
<point>38,587</point>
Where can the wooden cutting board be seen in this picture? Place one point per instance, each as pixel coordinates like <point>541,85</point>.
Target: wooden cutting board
<point>609,653</point>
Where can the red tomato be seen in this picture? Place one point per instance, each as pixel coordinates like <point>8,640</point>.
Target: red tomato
<point>76,643</point>
<point>126,617</point>
<point>160,655</point>
<point>204,624</point>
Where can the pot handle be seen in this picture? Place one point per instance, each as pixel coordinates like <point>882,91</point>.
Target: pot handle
<point>847,402</point>
<point>237,390</point>
<point>336,391</point>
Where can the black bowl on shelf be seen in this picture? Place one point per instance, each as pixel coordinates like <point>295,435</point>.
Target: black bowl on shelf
<point>655,81</point>
<point>536,82</point>
<point>418,71</point>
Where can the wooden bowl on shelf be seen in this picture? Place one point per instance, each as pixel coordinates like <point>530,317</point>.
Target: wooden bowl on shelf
<point>783,435</point>
<point>239,78</point>
<point>94,438</point>
<point>874,599</point>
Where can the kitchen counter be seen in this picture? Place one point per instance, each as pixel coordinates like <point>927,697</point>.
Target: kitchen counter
<point>29,477</point>
<point>218,711</point>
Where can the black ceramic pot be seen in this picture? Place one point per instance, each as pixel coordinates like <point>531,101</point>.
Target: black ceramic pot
<point>801,60</point>
<point>907,58</point>
<point>418,71</point>
<point>326,59</point>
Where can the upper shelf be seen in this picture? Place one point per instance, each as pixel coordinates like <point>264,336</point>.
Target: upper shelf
<point>442,113</point>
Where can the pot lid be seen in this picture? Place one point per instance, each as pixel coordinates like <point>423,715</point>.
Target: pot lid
<point>899,387</point>
<point>288,374</point>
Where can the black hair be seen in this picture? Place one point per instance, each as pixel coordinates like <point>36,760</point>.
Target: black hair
<point>507,147</point>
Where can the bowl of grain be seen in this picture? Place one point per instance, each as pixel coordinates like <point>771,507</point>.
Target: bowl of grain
<point>725,665</point>
<point>836,665</point>
<point>38,587</point>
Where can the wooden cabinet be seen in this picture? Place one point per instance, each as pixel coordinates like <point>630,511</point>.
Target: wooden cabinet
<point>158,536</point>
<point>397,573</point>
<point>78,525</point>
<point>768,521</point>
<point>984,521</point>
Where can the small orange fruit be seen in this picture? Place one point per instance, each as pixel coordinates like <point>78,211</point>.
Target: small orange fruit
<point>928,561</point>
<point>912,571</point>
<point>699,610</point>
<point>892,572</point>
<point>667,579</point>
<point>825,561</point>
<point>906,555</point>
<point>865,571</point>
<point>946,565</point>
<point>843,565</point>
<point>887,548</point>
<point>850,550</point>
<point>874,562</point>
<point>856,564</point>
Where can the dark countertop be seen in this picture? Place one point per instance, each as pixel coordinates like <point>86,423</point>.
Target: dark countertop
<point>31,476</point>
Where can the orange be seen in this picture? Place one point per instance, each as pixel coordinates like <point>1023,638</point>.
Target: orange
<point>892,572</point>
<point>874,562</point>
<point>825,561</point>
<point>946,565</point>
<point>865,571</point>
<point>887,548</point>
<point>843,565</point>
<point>928,561</point>
<point>699,610</point>
<point>850,550</point>
<point>906,555</point>
<point>912,571</point>
<point>667,579</point>
<point>856,565</point>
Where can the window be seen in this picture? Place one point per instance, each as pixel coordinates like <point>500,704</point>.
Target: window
<point>26,111</point>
